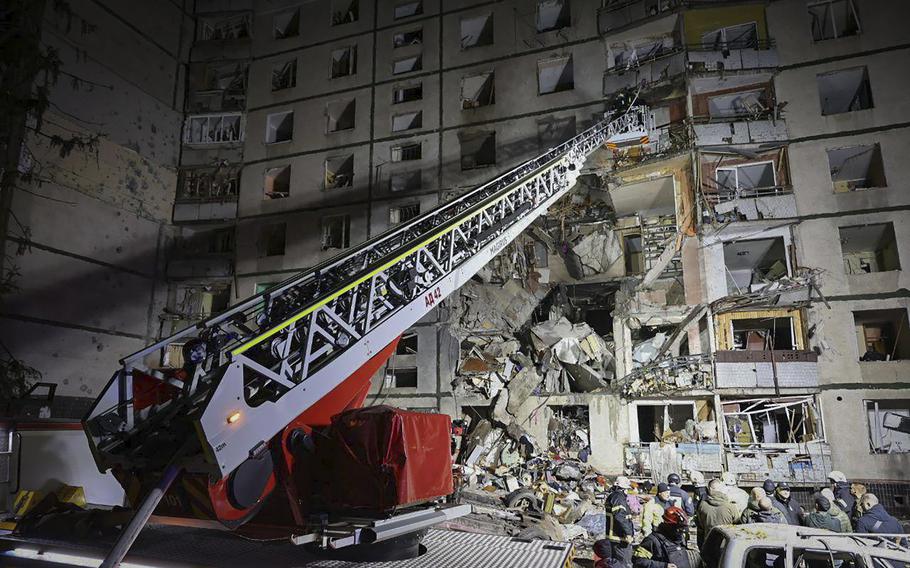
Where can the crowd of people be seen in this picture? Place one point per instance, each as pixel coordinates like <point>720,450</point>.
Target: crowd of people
<point>647,530</point>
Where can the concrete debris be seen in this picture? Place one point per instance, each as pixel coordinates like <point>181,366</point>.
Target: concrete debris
<point>599,252</point>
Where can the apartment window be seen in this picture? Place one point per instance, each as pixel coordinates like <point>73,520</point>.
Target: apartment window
<point>869,248</point>
<point>407,121</point>
<point>229,76</point>
<point>477,31</point>
<point>407,345</point>
<point>763,334</point>
<point>632,254</point>
<point>279,127</point>
<point>785,420</point>
<point>749,262</point>
<point>339,172</point>
<point>406,93</point>
<point>889,430</point>
<point>340,115</point>
<point>214,129</point>
<point>740,36</point>
<point>833,19</point>
<point>284,75</point>
<point>227,28</point>
<point>403,213</point>
<point>405,181</point>
<point>478,149</point>
<point>552,132</point>
<point>741,104</point>
<point>206,183</point>
<point>286,24</point>
<point>552,15</point>
<point>345,11</point>
<point>408,9</point>
<point>406,38</point>
<point>407,65</point>
<point>656,420</point>
<point>882,335</point>
<point>632,55</point>
<point>272,239</point>
<point>405,378</point>
<point>277,182</point>
<point>336,232</point>
<point>856,167</point>
<point>407,152</point>
<point>846,90</point>
<point>477,91</point>
<point>344,61</point>
<point>746,177</point>
<point>554,75</point>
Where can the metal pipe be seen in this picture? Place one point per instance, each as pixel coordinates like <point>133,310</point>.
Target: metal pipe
<point>398,527</point>
<point>140,518</point>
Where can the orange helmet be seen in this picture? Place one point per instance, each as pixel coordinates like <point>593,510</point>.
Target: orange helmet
<point>675,516</point>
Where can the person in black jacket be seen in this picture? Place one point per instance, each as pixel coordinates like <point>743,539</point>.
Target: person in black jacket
<point>620,531</point>
<point>665,547</point>
<point>787,506</point>
<point>841,488</point>
<point>875,519</point>
<point>680,495</point>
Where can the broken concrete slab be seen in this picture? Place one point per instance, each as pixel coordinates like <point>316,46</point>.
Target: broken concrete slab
<point>520,388</point>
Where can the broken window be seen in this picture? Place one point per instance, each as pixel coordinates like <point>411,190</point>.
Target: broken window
<point>869,248</point>
<point>846,90</point>
<point>345,11</point>
<point>553,15</point>
<point>882,335</point>
<point>407,93</point>
<point>639,52</point>
<point>272,239</point>
<point>404,378</point>
<point>765,557</point>
<point>756,175</point>
<point>229,76</point>
<point>784,420</point>
<point>407,65</point>
<point>656,422</point>
<point>340,115</point>
<point>339,172</point>
<point>279,127</point>
<point>404,39</point>
<point>569,430</point>
<point>407,152</point>
<point>832,19</point>
<point>825,558</point>
<point>286,24</point>
<point>403,213</point>
<point>205,183</point>
<point>408,8</point>
<point>477,31</point>
<point>235,26</point>
<point>753,262</point>
<point>405,181</point>
<point>277,182</point>
<point>222,87</point>
<point>554,75</point>
<point>477,91</point>
<point>740,36</point>
<point>743,103</point>
<point>336,232</point>
<point>214,129</point>
<point>284,75</point>
<point>632,253</point>
<point>344,61</point>
<point>889,426</point>
<point>856,167</point>
<point>552,132</point>
<point>478,149</point>
<point>763,334</point>
<point>407,121</point>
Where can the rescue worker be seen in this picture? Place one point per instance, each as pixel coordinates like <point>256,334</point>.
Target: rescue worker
<point>715,510</point>
<point>766,513</point>
<point>620,531</point>
<point>603,551</point>
<point>841,489</point>
<point>666,546</point>
<point>769,487</point>
<point>842,517</point>
<point>684,501</point>
<point>738,497</point>
<point>699,487</point>
<point>821,518</point>
<point>875,519</point>
<point>755,496</point>
<point>857,490</point>
<point>654,508</point>
<point>787,506</point>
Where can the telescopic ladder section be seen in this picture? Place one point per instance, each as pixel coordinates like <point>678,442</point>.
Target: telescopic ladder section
<point>266,360</point>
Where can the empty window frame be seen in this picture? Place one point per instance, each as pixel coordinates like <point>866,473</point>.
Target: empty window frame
<point>743,103</point>
<point>554,75</point>
<point>846,90</point>
<point>478,150</point>
<point>279,127</point>
<point>403,213</point>
<point>889,426</point>
<point>477,31</point>
<point>404,378</point>
<point>633,253</point>
<point>407,93</point>
<point>405,181</point>
<point>554,131</point>
<point>206,183</point>
<point>784,420</point>
<point>344,62</point>
<point>340,115</point>
<point>286,24</point>
<point>345,11</point>
<point>214,129</point>
<point>407,152</point>
<point>407,121</point>
<point>272,239</point>
<point>408,343</point>
<point>336,232</point>
<point>631,55</point>
<point>407,65</point>
<point>230,76</point>
<point>407,9</point>
<point>763,334</point>
<point>477,91</point>
<point>553,15</point>
<point>277,182</point>
<point>740,36</point>
<point>236,26</point>
<point>339,171</point>
<point>882,335</point>
<point>745,177</point>
<point>869,248</point>
<point>856,167</point>
<point>284,75</point>
<point>832,19</point>
<point>754,262</point>
<point>406,38</point>
<point>655,421</point>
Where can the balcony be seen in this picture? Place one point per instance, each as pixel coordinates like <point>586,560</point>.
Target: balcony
<point>214,129</point>
<point>739,130</point>
<point>662,142</point>
<point>758,369</point>
<point>206,195</point>
<point>758,55</point>
<point>204,267</point>
<point>648,72</point>
<point>753,204</point>
<point>622,14</point>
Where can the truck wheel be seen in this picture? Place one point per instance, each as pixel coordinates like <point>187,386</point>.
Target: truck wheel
<point>523,499</point>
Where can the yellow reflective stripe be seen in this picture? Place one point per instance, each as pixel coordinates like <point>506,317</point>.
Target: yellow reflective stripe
<point>642,552</point>
<point>618,508</point>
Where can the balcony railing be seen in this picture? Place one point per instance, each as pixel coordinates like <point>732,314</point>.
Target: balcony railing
<point>739,130</point>
<point>646,72</point>
<point>222,128</point>
<point>621,14</point>
<point>766,369</point>
<point>757,54</point>
<point>721,195</point>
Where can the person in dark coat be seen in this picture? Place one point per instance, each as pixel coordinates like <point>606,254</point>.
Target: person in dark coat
<point>769,487</point>
<point>875,519</point>
<point>766,513</point>
<point>665,547</point>
<point>620,531</point>
<point>680,495</point>
<point>821,518</point>
<point>787,506</point>
<point>699,488</point>
<point>603,548</point>
<point>844,500</point>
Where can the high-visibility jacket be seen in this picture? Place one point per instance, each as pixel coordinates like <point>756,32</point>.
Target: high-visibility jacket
<point>619,523</point>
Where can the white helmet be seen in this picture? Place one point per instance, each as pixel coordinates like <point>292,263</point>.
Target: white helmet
<point>837,477</point>
<point>728,477</point>
<point>623,482</point>
<point>698,478</point>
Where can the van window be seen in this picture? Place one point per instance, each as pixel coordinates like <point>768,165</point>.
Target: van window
<point>879,562</point>
<point>765,557</point>
<point>824,559</point>
<point>713,551</point>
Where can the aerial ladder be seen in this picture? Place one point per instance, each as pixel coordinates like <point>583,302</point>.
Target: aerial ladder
<point>258,376</point>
